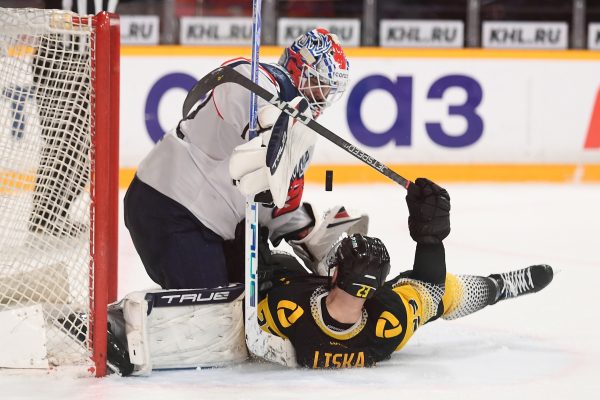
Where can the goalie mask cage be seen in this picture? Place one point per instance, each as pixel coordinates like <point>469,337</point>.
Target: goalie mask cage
<point>59,90</point>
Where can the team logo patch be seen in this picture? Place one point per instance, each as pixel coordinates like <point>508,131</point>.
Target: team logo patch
<point>388,326</point>
<point>288,312</point>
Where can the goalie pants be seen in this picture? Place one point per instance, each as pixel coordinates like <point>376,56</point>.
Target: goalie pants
<point>177,250</point>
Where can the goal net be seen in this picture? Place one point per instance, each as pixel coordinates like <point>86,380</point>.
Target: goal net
<point>58,186</point>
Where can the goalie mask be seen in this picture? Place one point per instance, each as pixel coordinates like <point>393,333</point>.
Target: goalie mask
<point>318,67</point>
<point>362,264</point>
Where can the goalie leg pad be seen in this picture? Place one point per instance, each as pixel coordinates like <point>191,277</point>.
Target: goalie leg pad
<point>186,328</point>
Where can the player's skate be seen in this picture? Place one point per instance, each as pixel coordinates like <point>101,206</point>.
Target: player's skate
<point>523,281</point>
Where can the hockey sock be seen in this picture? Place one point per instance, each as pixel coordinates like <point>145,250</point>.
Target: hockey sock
<point>466,294</point>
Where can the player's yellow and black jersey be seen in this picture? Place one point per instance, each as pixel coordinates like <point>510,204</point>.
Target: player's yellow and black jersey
<point>295,309</point>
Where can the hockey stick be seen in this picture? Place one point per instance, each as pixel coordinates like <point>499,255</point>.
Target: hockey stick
<point>227,74</point>
<point>254,337</point>
<point>258,342</point>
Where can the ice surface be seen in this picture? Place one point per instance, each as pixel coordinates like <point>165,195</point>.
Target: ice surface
<point>542,346</point>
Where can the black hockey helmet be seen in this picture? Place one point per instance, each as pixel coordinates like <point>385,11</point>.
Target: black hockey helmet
<point>362,264</point>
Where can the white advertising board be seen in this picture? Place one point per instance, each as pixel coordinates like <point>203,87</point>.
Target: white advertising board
<point>348,30</point>
<point>421,33</point>
<point>408,109</point>
<point>525,35</point>
<point>139,29</point>
<point>594,36</point>
<point>219,31</point>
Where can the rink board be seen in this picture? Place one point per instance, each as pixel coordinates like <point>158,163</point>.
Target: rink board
<point>453,115</point>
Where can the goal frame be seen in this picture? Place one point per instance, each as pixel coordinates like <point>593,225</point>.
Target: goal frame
<point>104,183</point>
<point>78,313</point>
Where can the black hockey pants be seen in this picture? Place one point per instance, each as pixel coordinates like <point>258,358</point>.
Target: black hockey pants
<point>177,250</point>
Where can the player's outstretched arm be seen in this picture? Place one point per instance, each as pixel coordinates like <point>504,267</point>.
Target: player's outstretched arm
<point>429,224</point>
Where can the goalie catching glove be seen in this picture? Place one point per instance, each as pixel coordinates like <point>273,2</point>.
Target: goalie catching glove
<point>429,212</point>
<point>274,159</point>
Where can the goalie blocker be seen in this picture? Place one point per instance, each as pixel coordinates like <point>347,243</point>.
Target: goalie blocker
<point>167,329</point>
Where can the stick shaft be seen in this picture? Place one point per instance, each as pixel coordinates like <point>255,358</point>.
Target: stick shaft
<point>251,328</point>
<point>227,74</point>
<point>236,77</point>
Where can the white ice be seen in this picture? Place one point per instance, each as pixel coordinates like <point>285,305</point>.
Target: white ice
<point>542,346</point>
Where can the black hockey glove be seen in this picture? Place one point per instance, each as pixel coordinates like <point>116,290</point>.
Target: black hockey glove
<point>429,212</point>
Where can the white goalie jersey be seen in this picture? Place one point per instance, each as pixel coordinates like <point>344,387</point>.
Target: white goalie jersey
<point>191,163</point>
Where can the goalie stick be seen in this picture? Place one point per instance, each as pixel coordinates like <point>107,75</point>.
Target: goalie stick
<point>258,342</point>
<point>227,74</point>
<point>255,338</point>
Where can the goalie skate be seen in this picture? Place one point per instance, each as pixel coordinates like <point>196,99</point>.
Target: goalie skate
<point>523,281</point>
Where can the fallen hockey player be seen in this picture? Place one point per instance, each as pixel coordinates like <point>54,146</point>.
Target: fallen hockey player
<point>342,314</point>
<point>353,317</point>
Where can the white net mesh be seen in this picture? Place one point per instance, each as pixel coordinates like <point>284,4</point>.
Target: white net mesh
<point>45,119</point>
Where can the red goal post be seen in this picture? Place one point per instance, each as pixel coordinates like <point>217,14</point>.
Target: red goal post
<point>59,140</point>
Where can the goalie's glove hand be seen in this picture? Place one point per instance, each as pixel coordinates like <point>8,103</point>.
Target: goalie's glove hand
<point>267,162</point>
<point>429,212</point>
